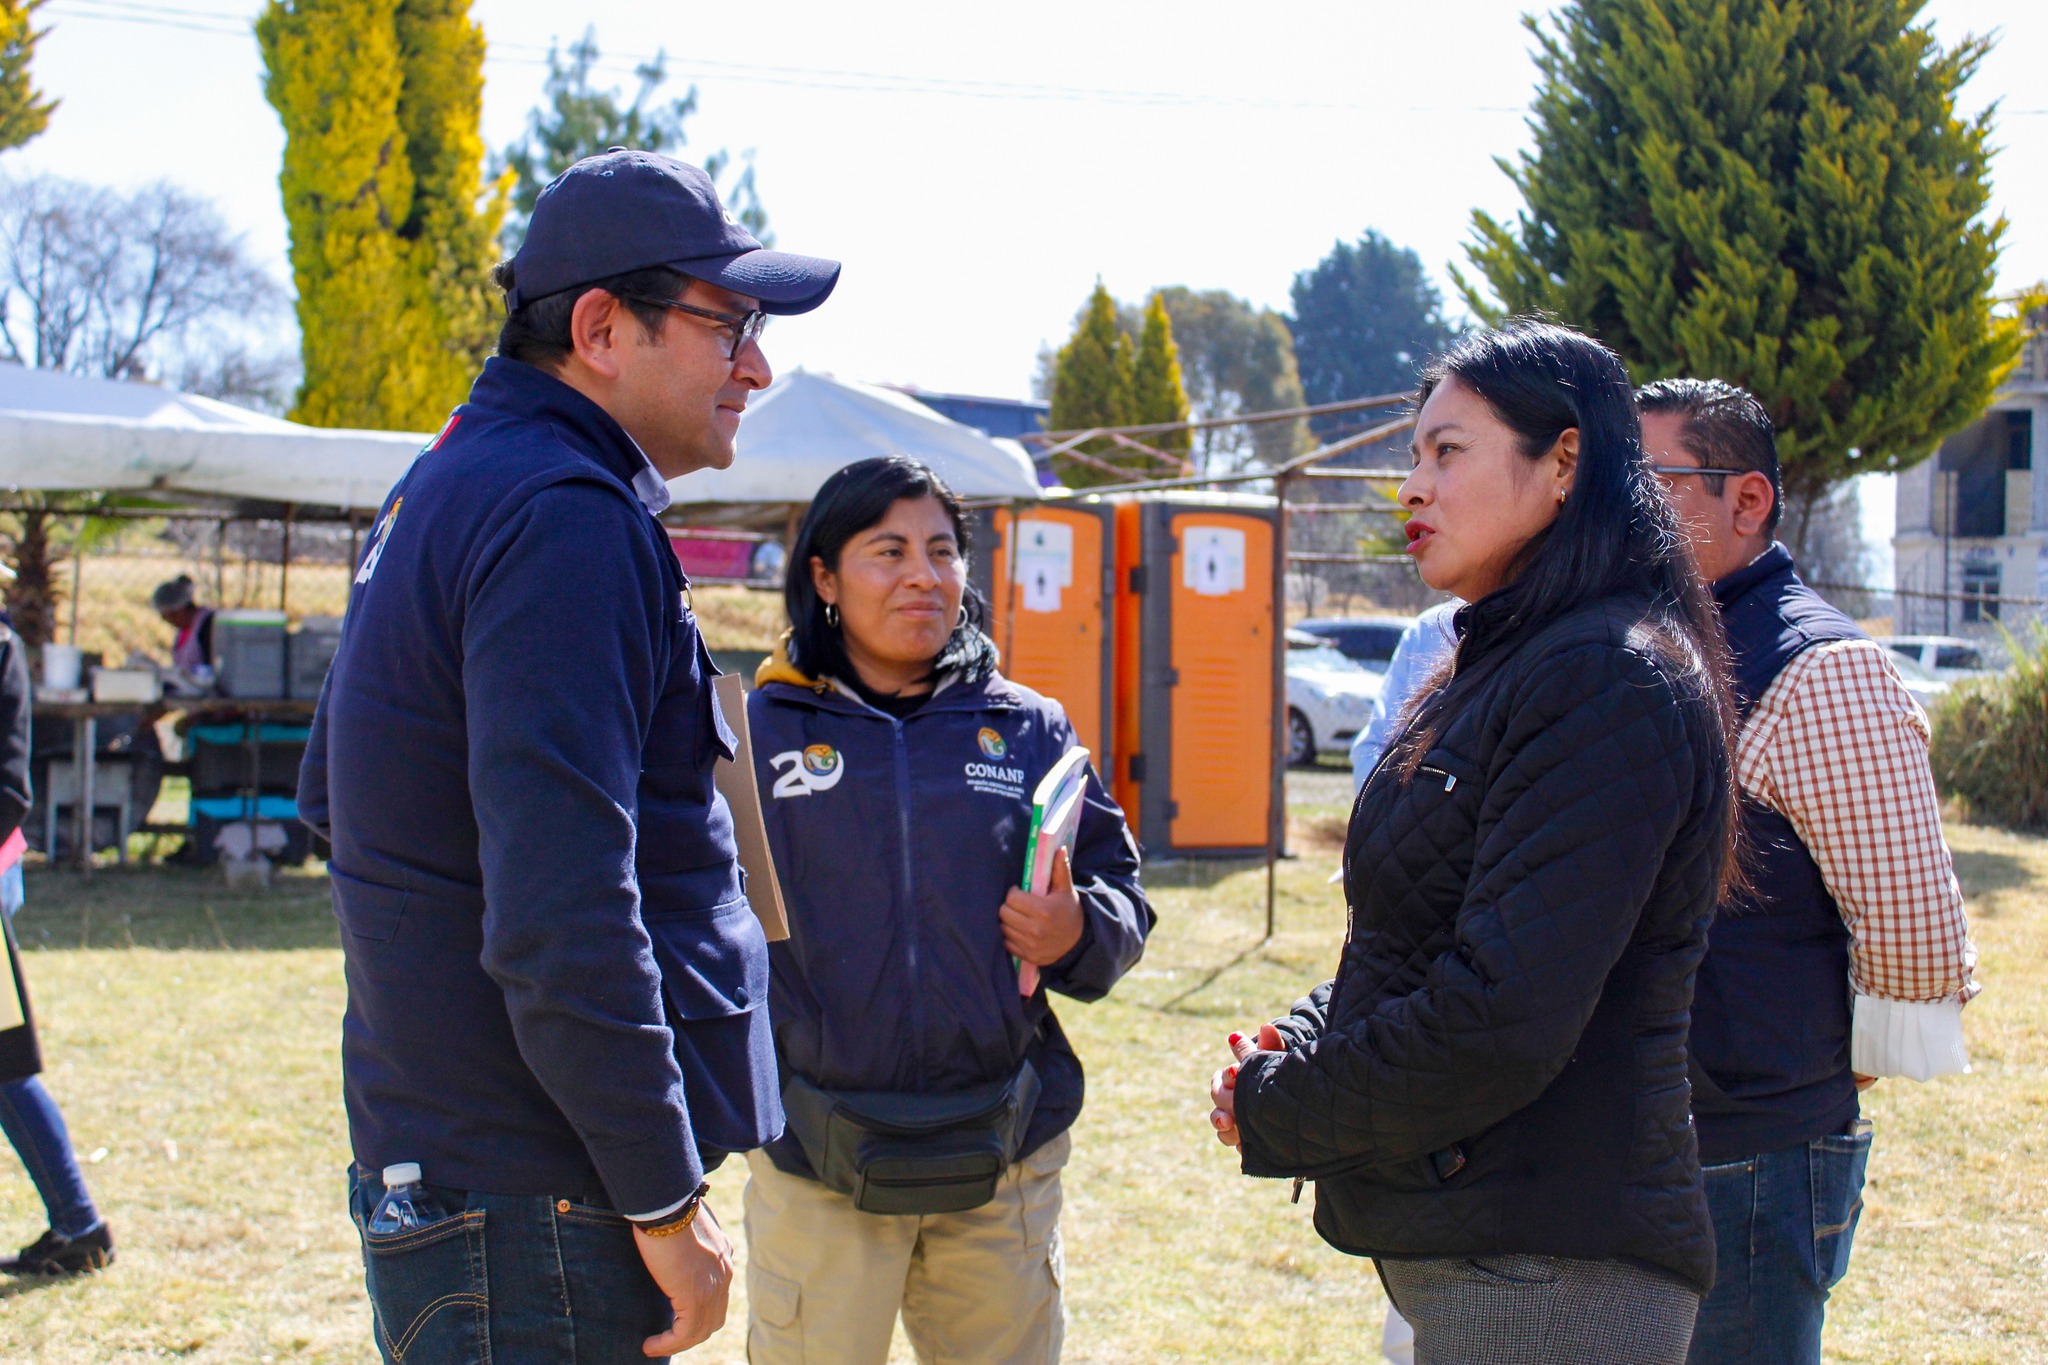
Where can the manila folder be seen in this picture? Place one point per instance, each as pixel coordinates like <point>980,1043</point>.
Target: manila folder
<point>736,783</point>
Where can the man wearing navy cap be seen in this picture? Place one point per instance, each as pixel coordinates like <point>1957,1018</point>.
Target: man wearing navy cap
<point>555,982</point>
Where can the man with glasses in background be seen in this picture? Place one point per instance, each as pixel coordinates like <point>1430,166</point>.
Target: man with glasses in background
<point>555,1018</point>
<point>1849,958</point>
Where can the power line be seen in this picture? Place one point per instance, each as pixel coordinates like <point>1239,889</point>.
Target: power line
<point>107,11</point>
<point>829,78</point>
<point>815,78</point>
<point>243,21</point>
<point>228,24</point>
<point>810,78</point>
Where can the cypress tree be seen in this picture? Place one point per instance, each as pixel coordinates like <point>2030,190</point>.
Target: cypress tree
<point>333,73</point>
<point>1776,194</point>
<point>1157,393</point>
<point>24,112</point>
<point>1094,382</point>
<point>452,242</point>
<point>380,100</point>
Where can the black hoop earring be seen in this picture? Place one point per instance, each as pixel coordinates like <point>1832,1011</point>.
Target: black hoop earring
<point>832,615</point>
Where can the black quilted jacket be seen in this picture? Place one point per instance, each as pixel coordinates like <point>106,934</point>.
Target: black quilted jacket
<point>1499,1065</point>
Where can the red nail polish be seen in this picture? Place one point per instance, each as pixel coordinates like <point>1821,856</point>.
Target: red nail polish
<point>1236,1038</point>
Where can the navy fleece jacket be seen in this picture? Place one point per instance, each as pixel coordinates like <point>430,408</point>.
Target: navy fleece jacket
<point>555,981</point>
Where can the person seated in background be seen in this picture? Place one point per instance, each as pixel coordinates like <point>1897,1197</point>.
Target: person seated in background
<point>928,1084</point>
<point>191,671</point>
<point>78,1238</point>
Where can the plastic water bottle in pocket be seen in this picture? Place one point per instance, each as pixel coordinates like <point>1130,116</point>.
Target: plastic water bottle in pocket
<point>406,1203</point>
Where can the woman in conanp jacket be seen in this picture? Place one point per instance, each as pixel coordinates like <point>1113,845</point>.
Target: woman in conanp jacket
<point>928,1084</point>
<point>1491,1094</point>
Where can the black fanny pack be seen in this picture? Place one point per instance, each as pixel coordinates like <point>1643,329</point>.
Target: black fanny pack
<point>904,1153</point>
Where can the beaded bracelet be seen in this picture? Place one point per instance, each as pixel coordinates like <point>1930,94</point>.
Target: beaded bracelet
<point>681,1218</point>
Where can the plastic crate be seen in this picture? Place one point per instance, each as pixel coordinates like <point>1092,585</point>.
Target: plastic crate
<point>249,653</point>
<point>219,758</point>
<point>310,652</point>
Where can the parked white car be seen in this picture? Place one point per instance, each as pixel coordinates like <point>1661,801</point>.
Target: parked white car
<point>1329,698</point>
<point>1927,689</point>
<point>1946,657</point>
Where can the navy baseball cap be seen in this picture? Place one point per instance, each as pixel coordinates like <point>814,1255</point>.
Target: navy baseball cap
<point>624,210</point>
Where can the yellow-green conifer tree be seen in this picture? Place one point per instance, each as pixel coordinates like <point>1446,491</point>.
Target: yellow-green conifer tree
<point>452,243</point>
<point>24,112</point>
<point>380,101</point>
<point>1092,381</point>
<point>1157,393</point>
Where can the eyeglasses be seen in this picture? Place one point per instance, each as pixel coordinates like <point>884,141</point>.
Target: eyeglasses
<point>745,327</point>
<point>1675,469</point>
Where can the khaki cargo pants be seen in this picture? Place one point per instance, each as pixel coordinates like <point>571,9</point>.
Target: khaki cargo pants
<point>825,1281</point>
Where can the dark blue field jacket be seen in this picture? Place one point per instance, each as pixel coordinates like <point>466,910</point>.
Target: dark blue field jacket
<point>895,842</point>
<point>513,759</point>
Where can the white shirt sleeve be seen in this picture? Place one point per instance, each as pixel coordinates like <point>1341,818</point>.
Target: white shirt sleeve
<point>1423,646</point>
<point>1917,1039</point>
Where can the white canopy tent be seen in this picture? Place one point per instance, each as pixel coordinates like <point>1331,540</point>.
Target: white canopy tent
<point>68,432</point>
<point>805,427</point>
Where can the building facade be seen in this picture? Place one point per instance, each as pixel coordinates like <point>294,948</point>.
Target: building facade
<point>996,418</point>
<point>1973,521</point>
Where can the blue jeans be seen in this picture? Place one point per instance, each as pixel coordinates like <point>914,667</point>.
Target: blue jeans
<point>1783,1224</point>
<point>507,1279</point>
<point>30,1119</point>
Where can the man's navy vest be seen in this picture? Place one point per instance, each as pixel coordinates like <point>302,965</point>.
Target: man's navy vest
<point>1771,1012</point>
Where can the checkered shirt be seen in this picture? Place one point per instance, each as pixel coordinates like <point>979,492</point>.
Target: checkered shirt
<point>1839,748</point>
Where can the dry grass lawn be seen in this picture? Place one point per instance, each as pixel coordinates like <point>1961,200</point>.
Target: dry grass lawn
<point>115,618</point>
<point>739,618</point>
<point>192,1034</point>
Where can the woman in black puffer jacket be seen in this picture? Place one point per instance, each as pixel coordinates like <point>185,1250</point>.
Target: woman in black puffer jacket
<point>1491,1095</point>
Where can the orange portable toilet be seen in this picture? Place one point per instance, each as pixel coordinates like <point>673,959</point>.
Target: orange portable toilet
<point>1196,674</point>
<point>1048,580</point>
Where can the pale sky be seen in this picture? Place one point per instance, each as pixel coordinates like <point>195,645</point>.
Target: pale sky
<point>977,167</point>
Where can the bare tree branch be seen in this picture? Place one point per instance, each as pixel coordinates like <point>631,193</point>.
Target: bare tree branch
<point>120,285</point>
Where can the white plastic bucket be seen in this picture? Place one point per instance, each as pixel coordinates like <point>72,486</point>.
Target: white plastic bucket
<point>62,667</point>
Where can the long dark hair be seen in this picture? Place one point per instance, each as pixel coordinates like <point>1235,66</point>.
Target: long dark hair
<point>1615,536</point>
<point>852,500</point>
